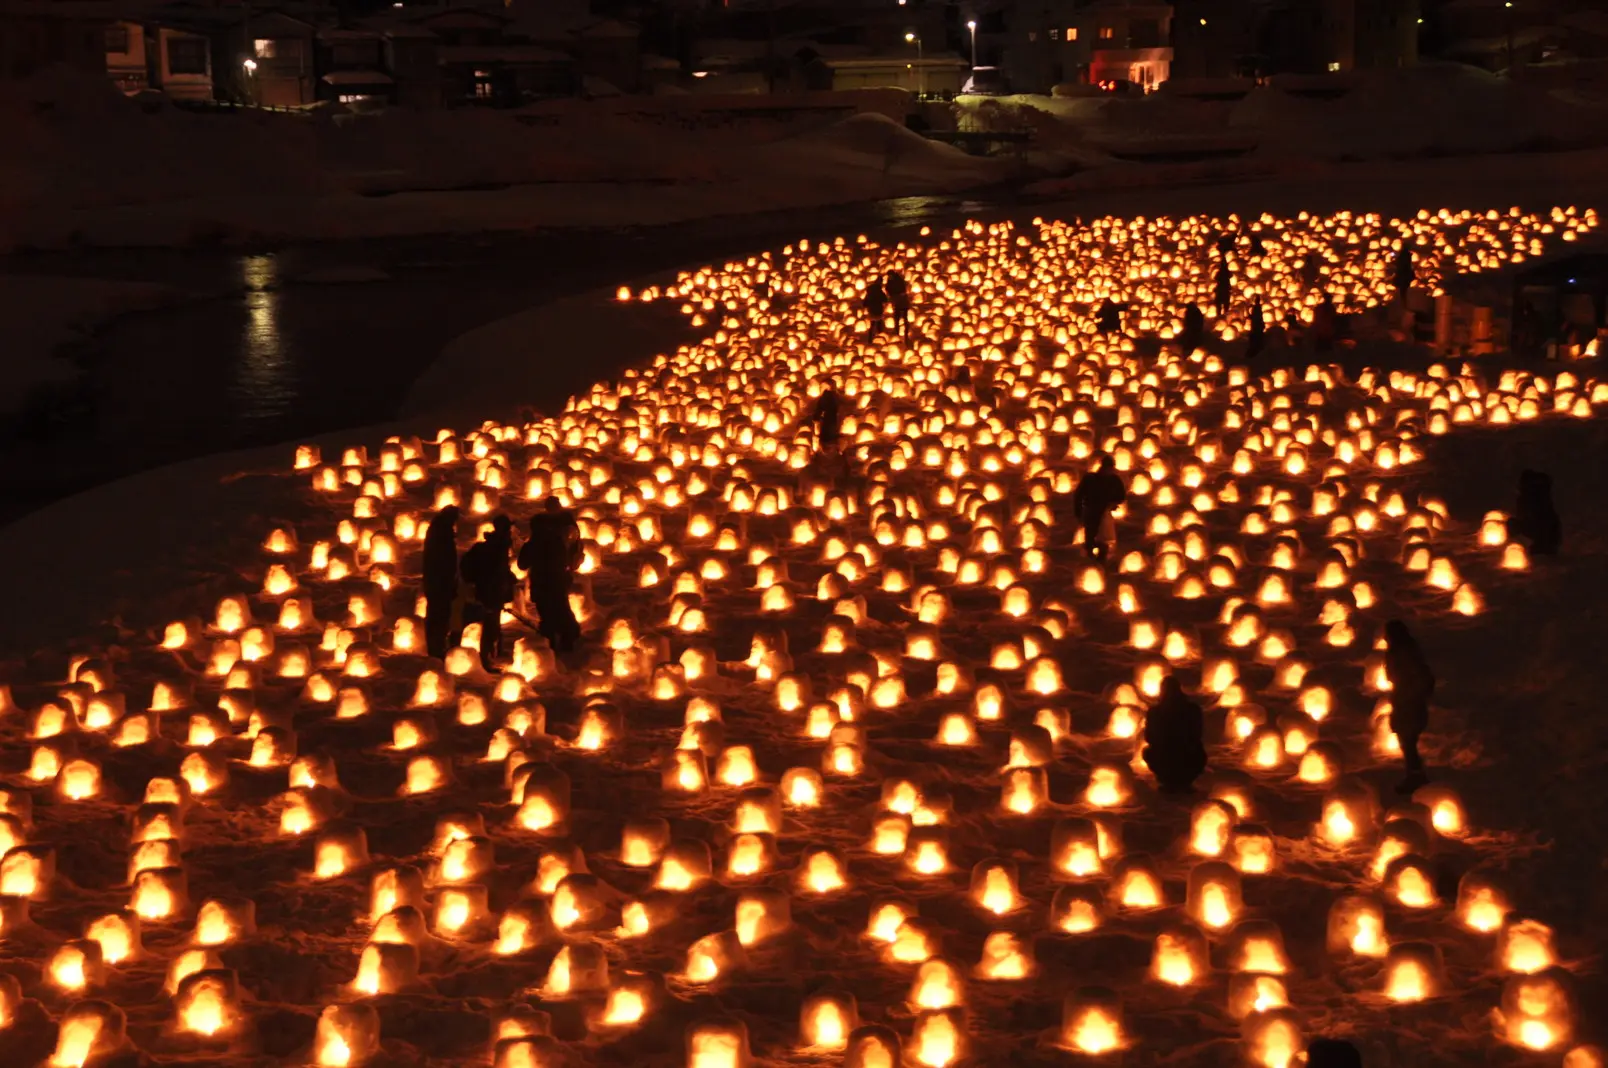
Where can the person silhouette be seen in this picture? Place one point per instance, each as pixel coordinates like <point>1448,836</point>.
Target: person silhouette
<point>1174,751</point>
<point>548,559</point>
<point>1412,684</point>
<point>828,420</point>
<point>485,568</point>
<point>876,304</point>
<point>898,290</point>
<point>1098,492</point>
<point>1534,517</point>
<point>440,580</point>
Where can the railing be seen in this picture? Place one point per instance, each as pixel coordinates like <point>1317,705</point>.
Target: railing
<point>222,106</point>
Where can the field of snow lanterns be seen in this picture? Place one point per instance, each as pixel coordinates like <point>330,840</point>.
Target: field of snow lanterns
<point>846,771</point>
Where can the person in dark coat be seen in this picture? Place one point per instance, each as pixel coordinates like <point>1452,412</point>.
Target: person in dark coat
<point>548,559</point>
<point>1257,340</point>
<point>440,579</point>
<point>1225,288</point>
<point>1325,325</point>
<point>1194,332</point>
<point>1412,684</point>
<point>876,304</point>
<point>485,568</point>
<point>1405,274</point>
<point>1225,243</point>
<point>1332,1053</point>
<point>1534,518</point>
<point>828,419</point>
<point>1175,750</point>
<point>1109,318</point>
<point>899,296</point>
<point>1098,493</point>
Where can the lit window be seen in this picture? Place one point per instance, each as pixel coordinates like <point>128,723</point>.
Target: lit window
<point>1107,32</point>
<point>1032,35</point>
<point>264,47</point>
<point>1071,33</point>
<point>1055,35</point>
<point>1334,66</point>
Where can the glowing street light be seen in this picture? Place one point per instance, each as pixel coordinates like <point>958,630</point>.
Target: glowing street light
<point>912,37</point>
<point>972,26</point>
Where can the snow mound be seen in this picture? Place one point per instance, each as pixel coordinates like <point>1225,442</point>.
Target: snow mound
<point>1435,108</point>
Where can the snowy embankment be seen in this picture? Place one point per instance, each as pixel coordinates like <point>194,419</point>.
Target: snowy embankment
<point>91,166</point>
<point>39,316</point>
<point>1435,109</point>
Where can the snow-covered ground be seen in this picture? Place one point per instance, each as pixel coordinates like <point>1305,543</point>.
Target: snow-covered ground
<point>1434,109</point>
<point>40,315</point>
<point>1511,733</point>
<point>89,166</point>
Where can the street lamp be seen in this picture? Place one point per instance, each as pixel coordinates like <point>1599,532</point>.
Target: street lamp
<point>972,26</point>
<point>250,65</point>
<point>921,69</point>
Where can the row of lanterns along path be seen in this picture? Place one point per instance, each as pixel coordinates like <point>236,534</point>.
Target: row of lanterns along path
<point>848,772</point>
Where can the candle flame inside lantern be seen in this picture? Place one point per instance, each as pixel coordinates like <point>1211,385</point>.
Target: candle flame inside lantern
<point>937,1040</point>
<point>1093,1030</point>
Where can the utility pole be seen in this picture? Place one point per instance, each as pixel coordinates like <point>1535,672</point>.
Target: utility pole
<point>770,49</point>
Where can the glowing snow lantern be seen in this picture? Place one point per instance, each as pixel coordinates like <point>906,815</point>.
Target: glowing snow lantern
<point>89,1031</point>
<point>1109,786</point>
<point>159,894</point>
<point>386,968</point>
<point>686,864</point>
<point>1258,946</point>
<point>1252,849</point>
<point>1024,790</point>
<point>1091,1022</point>
<point>346,1035</point>
<point>208,1003</point>
<point>762,914</point>
<point>1410,880</point>
<point>220,922</point>
<point>826,1020</point>
<point>1214,898</point>
<point>993,887</point>
<point>1249,994</point>
<point>543,793</point>
<point>1135,883</point>
<point>395,888</point>
<point>1537,1011</point>
<point>1273,1038</point>
<point>118,935</point>
<point>79,780</point>
<point>1076,909</point>
<point>1005,957</point>
<point>1210,825</point>
<point>1179,957</point>
<point>77,966</point>
<point>1446,813</point>
<point>1413,971</point>
<point>714,955</point>
<point>1525,947</point>
<point>1346,813</point>
<point>718,1044</point>
<point>1356,926</point>
<point>938,1038</point>
<point>1075,848</point>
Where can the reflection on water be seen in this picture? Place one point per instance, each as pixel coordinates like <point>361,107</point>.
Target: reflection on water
<point>264,385</point>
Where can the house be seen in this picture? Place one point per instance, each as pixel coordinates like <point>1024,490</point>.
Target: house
<point>411,54</point>
<point>923,74</point>
<point>1050,42</point>
<point>35,34</point>
<point>1222,38</point>
<point>352,62</point>
<point>281,61</point>
<point>482,61</point>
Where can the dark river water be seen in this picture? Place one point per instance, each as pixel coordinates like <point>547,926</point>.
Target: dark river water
<point>271,348</point>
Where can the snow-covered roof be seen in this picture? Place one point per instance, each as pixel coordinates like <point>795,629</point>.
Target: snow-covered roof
<point>1592,22</point>
<point>504,53</point>
<point>357,77</point>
